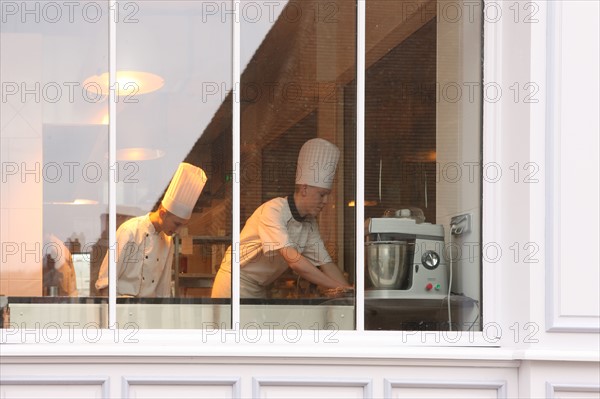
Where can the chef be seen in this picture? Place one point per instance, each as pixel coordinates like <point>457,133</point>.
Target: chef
<point>59,271</point>
<point>283,232</point>
<point>145,245</point>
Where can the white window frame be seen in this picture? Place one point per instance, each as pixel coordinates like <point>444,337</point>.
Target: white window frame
<point>429,338</point>
<point>357,342</point>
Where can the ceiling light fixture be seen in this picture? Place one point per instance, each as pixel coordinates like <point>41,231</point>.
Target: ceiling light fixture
<point>129,83</point>
<point>74,202</point>
<point>139,154</point>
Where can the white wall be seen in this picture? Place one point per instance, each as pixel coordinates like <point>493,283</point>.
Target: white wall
<point>458,138</point>
<point>572,298</point>
<point>533,361</point>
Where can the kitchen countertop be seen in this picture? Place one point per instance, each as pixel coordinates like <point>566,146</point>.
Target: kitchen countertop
<point>176,301</point>
<point>342,301</point>
<point>380,314</point>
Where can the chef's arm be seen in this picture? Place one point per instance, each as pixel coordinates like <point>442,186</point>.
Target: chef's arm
<point>308,271</point>
<point>334,272</point>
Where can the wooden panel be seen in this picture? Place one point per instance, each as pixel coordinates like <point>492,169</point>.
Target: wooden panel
<point>579,391</point>
<point>55,387</point>
<point>180,388</point>
<point>441,389</point>
<point>572,171</point>
<point>311,388</point>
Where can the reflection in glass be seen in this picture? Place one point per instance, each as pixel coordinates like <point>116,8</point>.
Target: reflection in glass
<point>182,114</point>
<point>51,133</point>
<point>290,94</point>
<point>420,134</point>
<point>423,141</point>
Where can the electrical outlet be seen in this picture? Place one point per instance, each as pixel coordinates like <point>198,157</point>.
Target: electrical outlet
<point>460,224</point>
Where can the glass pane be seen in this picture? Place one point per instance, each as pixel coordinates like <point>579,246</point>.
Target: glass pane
<point>423,160</point>
<point>296,58</point>
<point>54,143</point>
<point>174,157</point>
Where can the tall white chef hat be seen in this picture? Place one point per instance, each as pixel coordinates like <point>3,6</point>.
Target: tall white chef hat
<point>317,163</point>
<point>184,190</point>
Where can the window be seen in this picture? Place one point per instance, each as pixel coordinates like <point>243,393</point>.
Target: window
<point>54,140</point>
<point>401,212</point>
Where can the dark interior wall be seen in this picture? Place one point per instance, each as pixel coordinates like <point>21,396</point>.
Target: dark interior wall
<point>400,133</point>
<point>400,126</point>
<point>279,158</point>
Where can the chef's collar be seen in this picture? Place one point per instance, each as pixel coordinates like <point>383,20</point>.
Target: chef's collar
<point>295,213</point>
<point>150,229</point>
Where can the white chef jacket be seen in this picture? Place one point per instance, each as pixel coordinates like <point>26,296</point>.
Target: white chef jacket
<point>276,224</point>
<point>144,260</point>
<point>63,263</point>
<point>68,279</point>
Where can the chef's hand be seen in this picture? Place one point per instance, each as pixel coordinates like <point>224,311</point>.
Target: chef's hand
<point>338,292</point>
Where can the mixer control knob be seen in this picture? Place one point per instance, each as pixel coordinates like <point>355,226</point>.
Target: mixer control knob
<point>430,259</point>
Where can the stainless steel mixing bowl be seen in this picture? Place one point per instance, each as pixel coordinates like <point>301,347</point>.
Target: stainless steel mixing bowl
<point>386,263</point>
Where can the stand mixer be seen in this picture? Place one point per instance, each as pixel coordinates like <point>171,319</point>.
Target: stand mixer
<point>404,257</point>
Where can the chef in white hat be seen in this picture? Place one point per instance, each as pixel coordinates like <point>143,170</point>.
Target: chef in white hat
<point>145,244</point>
<point>59,270</point>
<point>283,232</point>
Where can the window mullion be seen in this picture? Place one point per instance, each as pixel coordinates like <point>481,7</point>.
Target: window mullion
<point>112,158</point>
<point>235,229</point>
<point>360,160</point>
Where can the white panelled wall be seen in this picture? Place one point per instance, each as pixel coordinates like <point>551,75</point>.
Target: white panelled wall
<point>546,307</point>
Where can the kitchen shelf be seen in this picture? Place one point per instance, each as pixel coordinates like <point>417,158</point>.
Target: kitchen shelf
<point>195,280</point>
